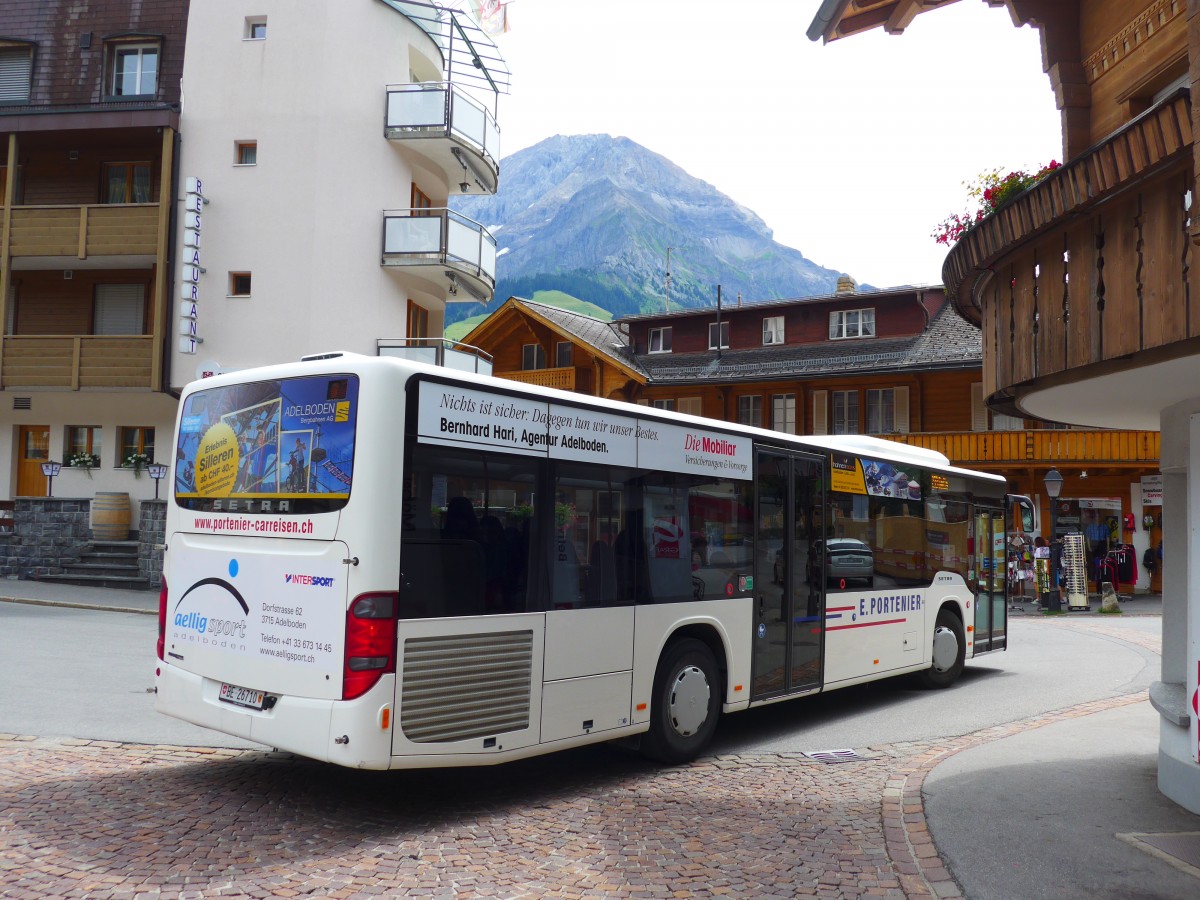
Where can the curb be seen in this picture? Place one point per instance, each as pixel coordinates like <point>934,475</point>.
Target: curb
<point>67,604</point>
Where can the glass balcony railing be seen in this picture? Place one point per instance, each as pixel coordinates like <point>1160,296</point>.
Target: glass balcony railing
<point>442,238</point>
<point>439,352</point>
<point>442,110</point>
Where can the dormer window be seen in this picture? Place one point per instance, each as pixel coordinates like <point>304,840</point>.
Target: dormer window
<point>773,330</point>
<point>16,70</point>
<point>132,69</point>
<point>851,323</point>
<point>660,340</point>
<point>718,335</point>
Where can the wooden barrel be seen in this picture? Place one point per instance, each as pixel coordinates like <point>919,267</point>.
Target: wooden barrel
<point>110,516</point>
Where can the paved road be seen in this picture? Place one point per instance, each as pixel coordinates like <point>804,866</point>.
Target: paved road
<point>101,797</point>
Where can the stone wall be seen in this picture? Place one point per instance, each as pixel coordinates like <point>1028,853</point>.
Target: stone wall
<point>152,533</point>
<point>47,532</point>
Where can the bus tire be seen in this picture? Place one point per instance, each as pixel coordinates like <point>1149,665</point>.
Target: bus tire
<point>685,704</point>
<point>949,652</point>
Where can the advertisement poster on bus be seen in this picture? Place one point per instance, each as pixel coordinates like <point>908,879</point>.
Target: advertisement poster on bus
<point>852,475</point>
<point>457,416</point>
<point>268,440</point>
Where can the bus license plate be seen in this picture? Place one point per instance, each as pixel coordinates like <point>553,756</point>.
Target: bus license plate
<point>241,696</point>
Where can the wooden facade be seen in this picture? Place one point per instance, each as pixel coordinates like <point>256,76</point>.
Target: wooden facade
<point>520,324</point>
<point>1097,262</point>
<point>913,348</point>
<point>87,195</point>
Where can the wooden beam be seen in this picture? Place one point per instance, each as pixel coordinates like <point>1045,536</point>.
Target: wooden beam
<point>6,232</point>
<point>902,16</point>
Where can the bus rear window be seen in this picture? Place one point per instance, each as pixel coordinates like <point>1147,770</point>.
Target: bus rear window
<point>280,447</point>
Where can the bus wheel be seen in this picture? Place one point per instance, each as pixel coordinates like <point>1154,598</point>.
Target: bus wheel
<point>949,652</point>
<point>686,703</point>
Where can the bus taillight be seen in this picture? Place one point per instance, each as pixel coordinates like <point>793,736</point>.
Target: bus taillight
<point>162,618</point>
<point>370,642</point>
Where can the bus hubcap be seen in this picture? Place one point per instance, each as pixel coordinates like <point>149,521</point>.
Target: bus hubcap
<point>689,701</point>
<point>945,648</point>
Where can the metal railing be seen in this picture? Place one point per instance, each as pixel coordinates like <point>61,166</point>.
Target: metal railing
<point>438,352</point>
<point>442,109</point>
<point>442,237</point>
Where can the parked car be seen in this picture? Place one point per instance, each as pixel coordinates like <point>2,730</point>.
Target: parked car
<point>847,559</point>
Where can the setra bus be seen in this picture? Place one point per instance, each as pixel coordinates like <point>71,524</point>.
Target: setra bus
<point>382,564</point>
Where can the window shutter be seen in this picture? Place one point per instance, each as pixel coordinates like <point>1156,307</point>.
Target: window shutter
<point>979,420</point>
<point>820,418</point>
<point>900,413</point>
<point>118,309</point>
<point>16,65</point>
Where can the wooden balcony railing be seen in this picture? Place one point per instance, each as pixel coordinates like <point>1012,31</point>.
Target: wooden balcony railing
<point>83,231</point>
<point>563,378</point>
<point>76,361</point>
<point>981,448</point>
<point>1091,264</point>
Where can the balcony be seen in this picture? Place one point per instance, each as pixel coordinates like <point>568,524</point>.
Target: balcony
<point>449,127</point>
<point>456,254</point>
<point>562,378</point>
<point>1004,449</point>
<point>126,233</point>
<point>76,362</point>
<point>439,352</point>
<point>1085,275</point>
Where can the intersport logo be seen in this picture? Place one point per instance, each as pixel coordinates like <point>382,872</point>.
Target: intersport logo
<point>308,580</point>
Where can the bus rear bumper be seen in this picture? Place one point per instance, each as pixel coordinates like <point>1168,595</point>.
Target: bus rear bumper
<point>355,733</point>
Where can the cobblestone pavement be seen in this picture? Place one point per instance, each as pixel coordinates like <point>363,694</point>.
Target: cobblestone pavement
<point>100,819</point>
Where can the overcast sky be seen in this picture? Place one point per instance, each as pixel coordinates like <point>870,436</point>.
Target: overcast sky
<point>851,152</point>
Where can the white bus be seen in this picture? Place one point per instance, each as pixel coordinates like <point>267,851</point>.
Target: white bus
<point>383,565</point>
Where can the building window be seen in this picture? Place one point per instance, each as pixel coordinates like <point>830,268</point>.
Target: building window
<point>255,29</point>
<point>845,412</point>
<point>126,182</point>
<point>718,335</point>
<point>881,411</point>
<point>16,71</point>
<point>660,340</point>
<point>663,404</point>
<point>563,354</point>
<point>83,439</point>
<point>246,153</point>
<point>133,70</point>
<point>119,309</point>
<point>420,201</point>
<point>851,323</point>
<point>532,357</point>
<point>239,284</point>
<point>783,413</point>
<point>693,406</point>
<point>136,440</point>
<point>773,330</point>
<point>749,411</point>
<point>418,320</point>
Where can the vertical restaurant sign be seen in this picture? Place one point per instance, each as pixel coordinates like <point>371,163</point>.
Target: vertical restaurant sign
<point>190,269</point>
<point>458,416</point>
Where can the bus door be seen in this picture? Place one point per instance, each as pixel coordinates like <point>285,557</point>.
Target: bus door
<point>991,581</point>
<point>789,603</point>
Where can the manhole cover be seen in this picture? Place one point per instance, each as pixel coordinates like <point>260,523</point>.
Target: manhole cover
<point>834,756</point>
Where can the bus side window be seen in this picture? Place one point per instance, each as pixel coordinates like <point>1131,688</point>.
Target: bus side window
<point>466,535</point>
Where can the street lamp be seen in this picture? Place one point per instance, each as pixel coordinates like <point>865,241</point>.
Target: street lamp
<point>1054,483</point>
<point>158,471</point>
<point>50,469</point>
